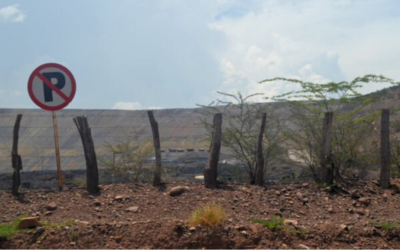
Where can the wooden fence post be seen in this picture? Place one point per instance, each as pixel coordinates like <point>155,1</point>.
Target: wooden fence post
<point>92,172</point>
<point>16,158</point>
<point>327,171</point>
<point>211,170</point>
<point>385,150</point>
<point>157,149</point>
<point>260,157</point>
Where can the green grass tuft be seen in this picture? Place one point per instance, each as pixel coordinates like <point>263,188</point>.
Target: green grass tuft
<point>8,230</point>
<point>273,223</point>
<point>387,225</point>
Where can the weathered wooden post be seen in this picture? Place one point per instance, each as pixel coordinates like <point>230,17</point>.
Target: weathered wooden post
<point>327,171</point>
<point>157,149</point>
<point>260,157</point>
<point>211,170</point>
<point>16,158</point>
<point>92,173</point>
<point>385,149</point>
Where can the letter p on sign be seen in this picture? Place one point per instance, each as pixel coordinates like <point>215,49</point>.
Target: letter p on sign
<point>51,86</point>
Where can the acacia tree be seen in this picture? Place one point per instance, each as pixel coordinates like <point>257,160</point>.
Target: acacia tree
<point>242,120</point>
<point>353,136</point>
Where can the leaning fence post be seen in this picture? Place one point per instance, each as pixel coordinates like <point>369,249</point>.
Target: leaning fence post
<point>92,173</point>
<point>327,171</point>
<point>260,157</point>
<point>157,148</point>
<point>16,158</point>
<point>385,149</point>
<point>211,170</point>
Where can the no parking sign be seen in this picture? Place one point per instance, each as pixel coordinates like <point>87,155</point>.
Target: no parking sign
<point>51,86</point>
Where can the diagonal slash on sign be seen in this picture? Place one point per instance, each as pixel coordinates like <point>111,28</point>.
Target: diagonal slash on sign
<point>54,88</point>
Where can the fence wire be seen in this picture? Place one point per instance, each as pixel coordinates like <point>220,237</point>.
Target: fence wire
<point>36,141</point>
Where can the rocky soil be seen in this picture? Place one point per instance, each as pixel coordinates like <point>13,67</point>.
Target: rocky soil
<point>140,216</point>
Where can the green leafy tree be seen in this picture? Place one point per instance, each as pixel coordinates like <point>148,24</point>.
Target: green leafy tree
<point>354,140</point>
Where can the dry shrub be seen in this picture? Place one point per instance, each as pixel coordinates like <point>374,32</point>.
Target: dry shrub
<point>209,215</point>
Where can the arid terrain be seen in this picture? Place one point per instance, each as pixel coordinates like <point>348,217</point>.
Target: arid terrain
<point>141,216</point>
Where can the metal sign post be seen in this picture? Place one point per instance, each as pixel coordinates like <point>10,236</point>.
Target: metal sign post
<point>57,148</point>
<point>52,87</point>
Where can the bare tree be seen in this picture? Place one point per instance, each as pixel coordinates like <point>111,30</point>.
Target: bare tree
<point>240,134</point>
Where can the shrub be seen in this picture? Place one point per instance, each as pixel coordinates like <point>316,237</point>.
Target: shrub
<point>8,230</point>
<point>209,215</point>
<point>387,225</point>
<point>273,223</point>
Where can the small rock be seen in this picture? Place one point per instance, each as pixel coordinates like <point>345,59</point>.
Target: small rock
<point>290,222</point>
<point>254,229</point>
<point>176,191</point>
<point>361,211</point>
<point>192,229</point>
<point>133,209</point>
<point>277,193</point>
<point>52,206</point>
<point>330,209</point>
<point>305,184</point>
<point>119,198</point>
<point>118,239</point>
<point>40,229</point>
<point>97,203</point>
<point>364,201</point>
<point>48,213</point>
<point>239,228</point>
<point>72,243</point>
<point>82,222</point>
<point>301,246</point>
<point>300,196</point>
<point>343,227</point>
<point>29,222</point>
<point>395,187</point>
<point>244,232</point>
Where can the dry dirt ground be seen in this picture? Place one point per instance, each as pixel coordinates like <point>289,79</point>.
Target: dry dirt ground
<point>315,217</point>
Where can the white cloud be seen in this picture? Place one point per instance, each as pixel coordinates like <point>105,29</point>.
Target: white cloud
<point>312,40</point>
<point>133,106</point>
<point>12,13</point>
<point>154,107</point>
<point>128,105</point>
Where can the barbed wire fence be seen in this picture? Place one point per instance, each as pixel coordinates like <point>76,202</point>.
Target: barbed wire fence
<point>36,142</point>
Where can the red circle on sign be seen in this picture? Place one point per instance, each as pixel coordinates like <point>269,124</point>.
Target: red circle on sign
<point>67,99</point>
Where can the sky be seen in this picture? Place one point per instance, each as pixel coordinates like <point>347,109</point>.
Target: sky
<point>152,54</point>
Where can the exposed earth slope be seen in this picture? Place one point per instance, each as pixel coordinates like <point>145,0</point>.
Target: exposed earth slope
<point>140,216</point>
